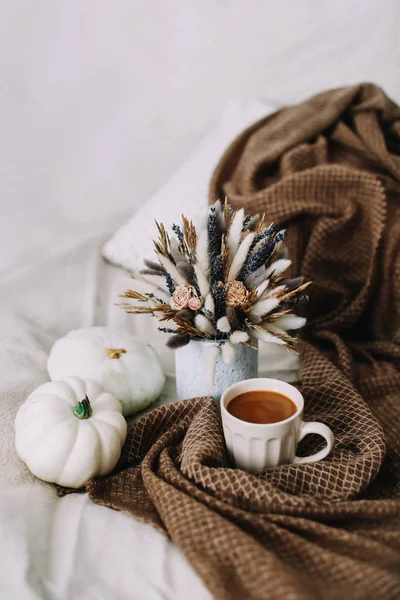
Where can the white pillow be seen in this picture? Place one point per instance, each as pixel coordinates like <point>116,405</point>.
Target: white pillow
<point>185,193</point>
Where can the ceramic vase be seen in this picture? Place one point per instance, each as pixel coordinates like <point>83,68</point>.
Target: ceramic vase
<point>191,370</point>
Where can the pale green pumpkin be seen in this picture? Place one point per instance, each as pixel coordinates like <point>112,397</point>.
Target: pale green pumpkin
<point>124,365</point>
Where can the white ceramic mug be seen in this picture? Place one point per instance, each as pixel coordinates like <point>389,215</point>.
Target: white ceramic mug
<point>254,447</point>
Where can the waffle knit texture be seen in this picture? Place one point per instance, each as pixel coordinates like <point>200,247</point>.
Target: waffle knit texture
<point>329,171</point>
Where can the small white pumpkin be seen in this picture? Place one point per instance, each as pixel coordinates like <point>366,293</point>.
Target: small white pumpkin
<point>69,431</point>
<point>124,365</point>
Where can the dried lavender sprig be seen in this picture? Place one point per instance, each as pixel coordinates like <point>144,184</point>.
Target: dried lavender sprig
<point>214,248</point>
<point>280,236</point>
<point>214,233</point>
<point>252,226</point>
<point>256,260</point>
<point>216,269</point>
<point>166,330</point>
<point>196,283</point>
<point>268,232</point>
<point>261,256</point>
<point>246,221</point>
<point>297,300</point>
<point>294,302</point>
<point>151,296</point>
<point>179,234</point>
<point>169,283</point>
<point>219,293</point>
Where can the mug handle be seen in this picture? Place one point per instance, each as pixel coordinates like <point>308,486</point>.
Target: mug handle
<point>320,429</point>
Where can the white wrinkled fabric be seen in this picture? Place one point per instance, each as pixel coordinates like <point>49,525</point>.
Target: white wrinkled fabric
<point>71,548</point>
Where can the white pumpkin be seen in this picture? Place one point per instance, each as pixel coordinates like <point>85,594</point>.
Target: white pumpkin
<point>69,431</point>
<point>124,365</point>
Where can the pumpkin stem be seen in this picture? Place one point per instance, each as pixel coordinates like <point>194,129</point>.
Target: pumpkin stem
<point>115,352</point>
<point>83,410</point>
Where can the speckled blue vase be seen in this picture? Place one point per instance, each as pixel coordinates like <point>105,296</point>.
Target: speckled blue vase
<point>190,369</point>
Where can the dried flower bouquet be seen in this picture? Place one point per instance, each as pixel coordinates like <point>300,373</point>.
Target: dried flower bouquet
<point>224,283</point>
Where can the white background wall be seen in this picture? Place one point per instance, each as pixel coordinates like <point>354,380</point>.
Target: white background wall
<point>101,99</point>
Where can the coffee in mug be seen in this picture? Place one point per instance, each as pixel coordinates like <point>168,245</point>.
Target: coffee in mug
<point>261,406</point>
<point>263,423</point>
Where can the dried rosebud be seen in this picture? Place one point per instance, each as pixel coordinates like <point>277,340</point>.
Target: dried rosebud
<point>182,295</point>
<point>237,293</point>
<point>194,303</point>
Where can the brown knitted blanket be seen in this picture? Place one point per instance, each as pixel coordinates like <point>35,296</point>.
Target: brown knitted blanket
<point>328,170</point>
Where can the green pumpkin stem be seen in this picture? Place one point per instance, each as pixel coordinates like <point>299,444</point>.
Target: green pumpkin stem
<point>83,410</point>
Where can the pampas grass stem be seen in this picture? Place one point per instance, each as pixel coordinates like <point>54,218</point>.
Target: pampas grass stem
<point>278,267</point>
<point>239,337</point>
<point>202,281</point>
<point>209,303</point>
<point>211,363</point>
<point>268,338</point>
<point>223,325</point>
<point>235,233</point>
<point>172,270</point>
<point>263,307</point>
<point>203,324</point>
<point>202,251</point>
<point>289,322</point>
<point>228,353</point>
<point>262,287</point>
<point>240,257</point>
